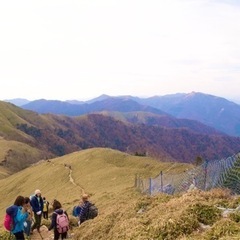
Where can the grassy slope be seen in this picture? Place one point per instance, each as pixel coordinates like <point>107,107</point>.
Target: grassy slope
<point>19,155</point>
<point>108,176</point>
<point>99,172</point>
<point>10,115</point>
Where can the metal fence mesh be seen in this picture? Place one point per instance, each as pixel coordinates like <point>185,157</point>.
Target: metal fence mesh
<point>224,173</point>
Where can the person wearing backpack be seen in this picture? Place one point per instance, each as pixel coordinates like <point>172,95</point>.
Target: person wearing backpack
<point>20,217</point>
<point>37,207</point>
<point>88,210</point>
<point>45,208</point>
<point>60,221</point>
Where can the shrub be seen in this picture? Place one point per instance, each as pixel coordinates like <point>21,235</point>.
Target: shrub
<point>224,227</point>
<point>143,203</point>
<point>235,216</point>
<point>205,214</point>
<point>174,228</point>
<point>73,221</point>
<point>6,236</point>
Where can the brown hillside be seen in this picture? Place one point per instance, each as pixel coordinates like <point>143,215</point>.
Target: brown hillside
<point>56,135</point>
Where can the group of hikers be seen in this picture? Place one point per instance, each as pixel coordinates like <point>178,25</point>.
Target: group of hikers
<point>25,215</point>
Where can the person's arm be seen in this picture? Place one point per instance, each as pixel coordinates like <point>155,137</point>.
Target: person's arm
<point>22,215</point>
<point>66,214</point>
<point>30,213</point>
<point>33,204</point>
<point>53,222</point>
<point>41,203</point>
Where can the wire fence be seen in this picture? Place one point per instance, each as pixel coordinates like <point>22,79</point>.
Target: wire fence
<point>224,173</point>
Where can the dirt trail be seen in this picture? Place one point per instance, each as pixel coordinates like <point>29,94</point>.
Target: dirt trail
<point>69,167</point>
<point>46,235</point>
<point>71,178</point>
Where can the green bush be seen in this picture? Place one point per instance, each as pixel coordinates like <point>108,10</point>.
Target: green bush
<point>205,214</point>
<point>235,216</point>
<point>174,228</point>
<point>73,221</point>
<point>6,236</point>
<point>224,227</point>
<point>143,203</point>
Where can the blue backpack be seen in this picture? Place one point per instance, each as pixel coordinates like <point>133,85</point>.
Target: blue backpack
<point>76,211</point>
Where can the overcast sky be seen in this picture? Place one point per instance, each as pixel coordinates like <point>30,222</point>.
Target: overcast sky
<point>80,49</point>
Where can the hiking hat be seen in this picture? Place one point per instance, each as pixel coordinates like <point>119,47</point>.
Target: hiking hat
<point>37,191</point>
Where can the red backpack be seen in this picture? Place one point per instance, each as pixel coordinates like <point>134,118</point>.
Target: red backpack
<point>11,212</point>
<point>62,222</point>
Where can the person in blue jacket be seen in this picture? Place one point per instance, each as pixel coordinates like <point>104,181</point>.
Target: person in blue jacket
<point>20,218</point>
<point>37,208</point>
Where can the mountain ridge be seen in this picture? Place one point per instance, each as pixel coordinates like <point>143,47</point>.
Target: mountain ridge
<point>57,135</point>
<point>216,112</point>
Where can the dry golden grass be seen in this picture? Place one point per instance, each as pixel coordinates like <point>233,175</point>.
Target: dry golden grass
<point>124,213</point>
<point>101,172</point>
<point>19,155</point>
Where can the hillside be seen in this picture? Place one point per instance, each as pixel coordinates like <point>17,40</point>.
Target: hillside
<point>108,176</point>
<point>152,119</point>
<point>15,156</point>
<point>96,170</point>
<point>161,137</point>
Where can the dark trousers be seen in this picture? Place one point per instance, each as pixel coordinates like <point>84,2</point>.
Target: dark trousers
<point>82,220</point>
<point>45,215</point>
<point>57,235</point>
<point>19,236</point>
<point>37,222</point>
<point>27,229</point>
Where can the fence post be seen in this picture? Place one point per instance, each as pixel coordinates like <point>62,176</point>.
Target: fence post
<point>150,186</point>
<point>161,179</point>
<point>205,175</point>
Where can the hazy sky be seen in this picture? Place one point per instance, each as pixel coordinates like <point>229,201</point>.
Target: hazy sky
<point>80,49</point>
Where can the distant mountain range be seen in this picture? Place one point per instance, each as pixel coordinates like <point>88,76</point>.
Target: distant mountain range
<point>134,128</point>
<point>213,111</point>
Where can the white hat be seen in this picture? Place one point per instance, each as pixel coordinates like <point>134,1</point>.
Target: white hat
<point>37,191</point>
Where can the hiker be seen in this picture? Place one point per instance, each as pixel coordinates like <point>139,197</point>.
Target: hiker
<point>88,210</point>
<point>45,208</point>
<point>20,218</point>
<point>60,221</point>
<point>37,207</point>
<point>29,220</point>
